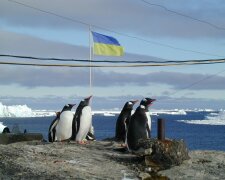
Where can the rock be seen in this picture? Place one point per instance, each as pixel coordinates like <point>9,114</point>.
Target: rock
<point>163,154</point>
<point>144,176</point>
<point>201,165</point>
<point>99,160</point>
<point>66,160</point>
<point>18,137</point>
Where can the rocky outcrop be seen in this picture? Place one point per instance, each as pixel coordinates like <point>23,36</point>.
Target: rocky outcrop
<point>164,154</point>
<point>107,160</point>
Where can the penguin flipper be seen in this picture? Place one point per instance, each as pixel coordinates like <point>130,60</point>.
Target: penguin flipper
<point>51,132</point>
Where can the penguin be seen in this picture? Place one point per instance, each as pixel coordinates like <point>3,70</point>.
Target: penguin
<point>82,121</point>
<point>90,135</point>
<point>3,128</point>
<point>123,121</point>
<point>63,128</point>
<point>52,128</point>
<point>140,125</point>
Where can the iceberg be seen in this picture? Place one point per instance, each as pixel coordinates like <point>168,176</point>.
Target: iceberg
<point>23,111</point>
<point>15,111</point>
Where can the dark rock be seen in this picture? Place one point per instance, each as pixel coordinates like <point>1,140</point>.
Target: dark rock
<point>163,154</point>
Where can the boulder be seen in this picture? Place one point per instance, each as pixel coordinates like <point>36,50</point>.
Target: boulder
<point>163,154</point>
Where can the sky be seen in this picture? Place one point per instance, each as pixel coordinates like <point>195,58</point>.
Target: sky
<point>148,30</point>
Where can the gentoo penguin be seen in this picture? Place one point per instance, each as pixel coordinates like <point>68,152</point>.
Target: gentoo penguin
<point>52,128</point>
<point>140,124</point>
<point>123,121</point>
<point>3,128</point>
<point>63,129</point>
<point>82,121</point>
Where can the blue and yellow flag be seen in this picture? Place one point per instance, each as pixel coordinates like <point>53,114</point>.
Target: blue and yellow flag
<point>106,45</point>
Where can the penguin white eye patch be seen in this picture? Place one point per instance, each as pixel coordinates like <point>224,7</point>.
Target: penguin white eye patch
<point>130,103</point>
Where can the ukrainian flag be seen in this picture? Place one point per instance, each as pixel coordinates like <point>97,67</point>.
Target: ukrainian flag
<point>106,45</point>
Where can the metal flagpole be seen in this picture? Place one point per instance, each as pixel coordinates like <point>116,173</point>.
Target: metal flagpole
<point>90,58</point>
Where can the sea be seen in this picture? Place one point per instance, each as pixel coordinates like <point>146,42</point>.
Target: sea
<point>201,130</point>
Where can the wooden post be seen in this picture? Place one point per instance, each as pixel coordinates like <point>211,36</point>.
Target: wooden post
<point>161,129</point>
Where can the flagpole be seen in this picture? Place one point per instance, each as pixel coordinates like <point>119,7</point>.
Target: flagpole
<point>90,59</point>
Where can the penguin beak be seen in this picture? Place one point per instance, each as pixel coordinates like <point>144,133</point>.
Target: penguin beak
<point>89,97</point>
<point>151,101</point>
<point>87,100</point>
<point>72,105</point>
<point>135,101</point>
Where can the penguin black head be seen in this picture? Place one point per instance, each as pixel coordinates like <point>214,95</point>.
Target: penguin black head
<point>147,102</point>
<point>130,104</point>
<point>86,101</point>
<point>68,107</point>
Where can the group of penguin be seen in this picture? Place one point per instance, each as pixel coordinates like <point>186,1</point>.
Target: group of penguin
<point>130,128</point>
<point>69,126</point>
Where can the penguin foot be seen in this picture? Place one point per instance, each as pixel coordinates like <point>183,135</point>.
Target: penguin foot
<point>123,145</point>
<point>82,142</point>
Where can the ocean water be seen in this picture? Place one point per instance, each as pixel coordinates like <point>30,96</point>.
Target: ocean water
<point>200,130</point>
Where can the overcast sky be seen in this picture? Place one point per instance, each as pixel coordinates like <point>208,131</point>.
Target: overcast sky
<point>146,31</point>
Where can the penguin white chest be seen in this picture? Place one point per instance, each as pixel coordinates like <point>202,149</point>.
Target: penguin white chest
<point>149,120</point>
<point>85,123</point>
<point>64,126</point>
<point>2,127</point>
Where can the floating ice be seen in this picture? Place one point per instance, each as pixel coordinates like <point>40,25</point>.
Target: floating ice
<point>211,119</point>
<point>172,112</point>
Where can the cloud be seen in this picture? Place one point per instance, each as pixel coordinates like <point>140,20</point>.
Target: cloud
<point>125,16</point>
<point>69,77</point>
<point>19,44</point>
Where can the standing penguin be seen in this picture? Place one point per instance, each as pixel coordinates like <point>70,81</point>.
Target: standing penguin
<point>52,128</point>
<point>82,121</point>
<point>123,121</point>
<point>63,125</point>
<point>3,128</point>
<point>140,124</point>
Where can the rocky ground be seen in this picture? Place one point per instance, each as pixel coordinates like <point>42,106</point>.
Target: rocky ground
<point>97,160</point>
<point>205,165</point>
